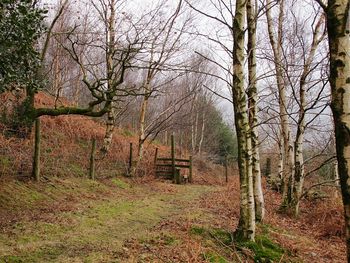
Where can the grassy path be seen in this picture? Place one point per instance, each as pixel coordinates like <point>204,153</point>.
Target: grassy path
<point>98,229</point>
<point>78,220</point>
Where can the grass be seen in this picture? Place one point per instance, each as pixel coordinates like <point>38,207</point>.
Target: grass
<point>120,183</point>
<point>77,170</point>
<point>25,196</point>
<point>95,230</point>
<point>213,257</point>
<point>127,133</point>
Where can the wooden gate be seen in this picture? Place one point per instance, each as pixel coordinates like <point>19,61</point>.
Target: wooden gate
<point>170,168</point>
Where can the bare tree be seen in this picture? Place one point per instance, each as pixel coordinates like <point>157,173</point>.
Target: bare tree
<point>304,107</point>
<point>299,66</point>
<point>163,45</point>
<point>276,44</point>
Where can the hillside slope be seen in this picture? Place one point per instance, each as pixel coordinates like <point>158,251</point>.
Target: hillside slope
<point>67,218</point>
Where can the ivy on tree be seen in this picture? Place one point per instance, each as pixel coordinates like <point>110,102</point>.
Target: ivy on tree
<point>21,24</point>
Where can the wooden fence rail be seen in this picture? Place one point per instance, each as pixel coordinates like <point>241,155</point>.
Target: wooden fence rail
<point>170,167</point>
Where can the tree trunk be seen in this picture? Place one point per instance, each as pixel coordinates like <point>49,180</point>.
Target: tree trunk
<point>36,159</point>
<point>299,140</point>
<point>246,225</point>
<point>202,134</point>
<point>280,164</point>
<point>142,124</point>
<point>268,168</point>
<point>338,21</point>
<point>194,123</point>
<point>92,160</point>
<point>107,140</point>
<point>110,67</point>
<point>194,130</point>
<point>252,105</point>
<point>287,178</point>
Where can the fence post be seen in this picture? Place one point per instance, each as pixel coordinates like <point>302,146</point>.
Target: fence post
<point>155,156</point>
<point>92,160</point>
<point>36,158</point>
<point>130,158</point>
<point>155,162</point>
<point>226,169</point>
<point>190,175</point>
<point>177,176</point>
<point>268,168</point>
<point>173,155</point>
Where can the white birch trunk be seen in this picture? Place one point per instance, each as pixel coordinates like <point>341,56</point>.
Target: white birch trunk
<point>110,40</point>
<point>110,123</point>
<point>276,44</point>
<point>142,121</point>
<point>299,140</point>
<point>252,104</point>
<point>246,225</point>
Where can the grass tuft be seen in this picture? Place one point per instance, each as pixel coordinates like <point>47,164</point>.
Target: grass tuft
<point>120,183</point>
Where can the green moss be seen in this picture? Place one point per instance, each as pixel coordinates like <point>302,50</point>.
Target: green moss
<point>264,249</point>
<point>109,209</point>
<point>196,230</point>
<point>224,236</point>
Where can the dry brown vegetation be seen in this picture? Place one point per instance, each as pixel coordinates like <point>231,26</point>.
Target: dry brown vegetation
<point>68,218</point>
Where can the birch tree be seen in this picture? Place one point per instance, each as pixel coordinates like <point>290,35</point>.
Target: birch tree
<point>232,17</point>
<point>299,67</point>
<point>252,15</point>
<point>246,225</point>
<point>276,44</point>
<point>304,107</point>
<point>338,28</point>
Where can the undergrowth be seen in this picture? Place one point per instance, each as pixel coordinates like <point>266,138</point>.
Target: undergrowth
<point>222,245</point>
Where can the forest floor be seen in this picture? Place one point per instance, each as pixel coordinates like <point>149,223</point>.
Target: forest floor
<point>67,218</point>
<point>118,220</point>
